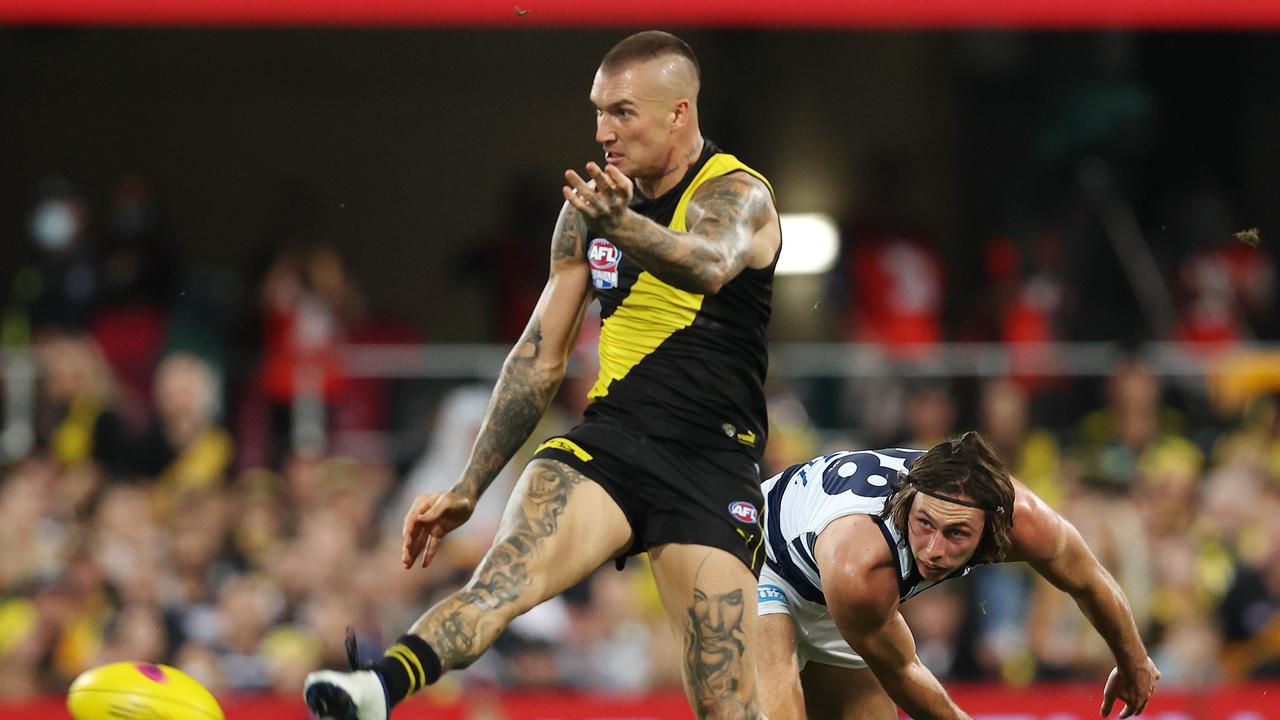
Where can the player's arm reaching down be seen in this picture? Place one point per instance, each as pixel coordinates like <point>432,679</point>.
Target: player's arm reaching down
<point>1054,548</point>
<point>861,588</point>
<point>725,217</point>
<point>529,379</point>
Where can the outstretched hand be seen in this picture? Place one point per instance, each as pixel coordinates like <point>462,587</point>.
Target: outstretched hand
<point>1135,687</point>
<point>430,517</point>
<point>603,203</point>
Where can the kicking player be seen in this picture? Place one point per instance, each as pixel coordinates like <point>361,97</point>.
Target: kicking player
<point>678,241</point>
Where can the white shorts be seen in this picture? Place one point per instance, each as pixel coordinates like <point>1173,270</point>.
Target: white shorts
<point>817,637</point>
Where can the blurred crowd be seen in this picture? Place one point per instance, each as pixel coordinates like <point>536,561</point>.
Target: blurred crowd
<point>164,506</point>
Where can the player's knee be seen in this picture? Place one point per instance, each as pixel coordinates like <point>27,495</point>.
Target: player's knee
<point>497,601</point>
<point>507,583</point>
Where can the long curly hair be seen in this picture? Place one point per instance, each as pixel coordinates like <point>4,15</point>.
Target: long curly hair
<point>964,465</point>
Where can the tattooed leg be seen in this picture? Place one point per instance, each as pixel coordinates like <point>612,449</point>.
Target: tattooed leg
<point>714,644</point>
<point>715,614</point>
<point>558,528</point>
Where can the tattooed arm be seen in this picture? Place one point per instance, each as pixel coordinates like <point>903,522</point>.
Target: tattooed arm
<point>725,218</point>
<point>530,377</point>
<point>535,367</point>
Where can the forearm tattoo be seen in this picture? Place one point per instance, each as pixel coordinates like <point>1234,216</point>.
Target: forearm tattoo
<point>715,643</point>
<point>720,218</point>
<point>466,623</point>
<point>522,393</point>
<point>519,399</point>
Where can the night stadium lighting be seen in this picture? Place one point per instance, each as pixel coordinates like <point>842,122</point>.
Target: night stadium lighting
<point>810,244</point>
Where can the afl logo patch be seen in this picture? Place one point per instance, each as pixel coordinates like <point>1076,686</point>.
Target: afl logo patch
<point>744,512</point>
<point>604,256</point>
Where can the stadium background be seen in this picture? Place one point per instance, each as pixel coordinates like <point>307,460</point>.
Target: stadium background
<point>257,279</point>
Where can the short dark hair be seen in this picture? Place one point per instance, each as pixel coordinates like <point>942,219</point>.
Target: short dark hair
<point>964,465</point>
<point>646,46</point>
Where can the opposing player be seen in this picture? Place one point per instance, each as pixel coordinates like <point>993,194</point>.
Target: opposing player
<point>851,535</point>
<point>678,241</point>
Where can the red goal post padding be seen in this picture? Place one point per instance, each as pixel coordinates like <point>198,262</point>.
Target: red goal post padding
<point>796,14</point>
<point>1257,701</point>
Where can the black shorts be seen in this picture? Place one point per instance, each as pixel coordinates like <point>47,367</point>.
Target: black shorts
<point>671,492</point>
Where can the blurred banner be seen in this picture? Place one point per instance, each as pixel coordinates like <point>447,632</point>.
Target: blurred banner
<point>767,14</point>
<point>1046,702</point>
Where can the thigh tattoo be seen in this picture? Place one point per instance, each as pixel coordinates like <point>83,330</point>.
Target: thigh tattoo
<point>715,643</point>
<point>463,625</point>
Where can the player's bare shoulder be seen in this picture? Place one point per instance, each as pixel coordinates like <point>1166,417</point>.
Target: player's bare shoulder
<point>739,198</point>
<point>1038,531</point>
<point>856,564</point>
<point>738,194</point>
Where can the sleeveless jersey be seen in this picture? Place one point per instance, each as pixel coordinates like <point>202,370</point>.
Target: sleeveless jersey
<point>802,500</point>
<point>674,364</point>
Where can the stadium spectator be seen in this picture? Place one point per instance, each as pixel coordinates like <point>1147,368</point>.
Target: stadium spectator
<point>81,420</point>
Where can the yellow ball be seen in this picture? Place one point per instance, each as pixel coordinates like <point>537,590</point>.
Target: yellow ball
<point>140,690</point>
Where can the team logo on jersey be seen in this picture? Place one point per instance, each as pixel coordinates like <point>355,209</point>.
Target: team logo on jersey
<point>744,512</point>
<point>770,593</point>
<point>604,257</point>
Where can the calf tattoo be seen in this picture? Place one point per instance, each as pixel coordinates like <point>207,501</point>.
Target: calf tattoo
<point>462,626</point>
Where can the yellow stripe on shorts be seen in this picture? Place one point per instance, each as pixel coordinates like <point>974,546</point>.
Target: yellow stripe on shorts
<point>567,445</point>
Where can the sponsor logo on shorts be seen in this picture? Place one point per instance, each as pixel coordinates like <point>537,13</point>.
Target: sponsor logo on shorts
<point>604,257</point>
<point>744,512</point>
<point>770,593</point>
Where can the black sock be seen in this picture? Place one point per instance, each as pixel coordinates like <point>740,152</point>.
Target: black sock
<point>408,666</point>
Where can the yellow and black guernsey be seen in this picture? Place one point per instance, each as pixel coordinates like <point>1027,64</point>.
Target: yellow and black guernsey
<point>675,364</point>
